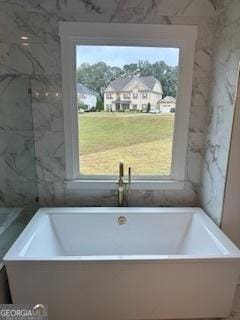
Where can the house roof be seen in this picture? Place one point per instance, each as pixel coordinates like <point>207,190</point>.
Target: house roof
<point>85,90</point>
<point>120,83</point>
<point>168,99</point>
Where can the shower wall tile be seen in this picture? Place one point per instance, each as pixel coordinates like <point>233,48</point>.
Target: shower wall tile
<point>15,103</point>
<point>18,178</point>
<point>17,158</point>
<point>49,137</point>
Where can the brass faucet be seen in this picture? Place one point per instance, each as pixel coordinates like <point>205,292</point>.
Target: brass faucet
<point>123,186</point>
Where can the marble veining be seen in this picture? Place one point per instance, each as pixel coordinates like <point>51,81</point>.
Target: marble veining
<point>226,57</point>
<point>17,157</point>
<point>38,20</point>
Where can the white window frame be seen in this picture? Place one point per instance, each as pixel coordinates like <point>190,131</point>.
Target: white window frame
<point>175,36</point>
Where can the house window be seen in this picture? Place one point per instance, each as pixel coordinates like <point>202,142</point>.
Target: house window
<point>96,141</point>
<point>144,107</point>
<point>109,96</point>
<point>135,95</point>
<point>135,106</point>
<point>127,96</point>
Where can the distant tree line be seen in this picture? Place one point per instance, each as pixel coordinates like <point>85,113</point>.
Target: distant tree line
<point>97,76</point>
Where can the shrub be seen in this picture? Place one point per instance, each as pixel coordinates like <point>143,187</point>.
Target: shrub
<point>148,107</point>
<point>99,105</point>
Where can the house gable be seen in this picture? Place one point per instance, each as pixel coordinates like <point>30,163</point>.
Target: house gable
<point>109,89</point>
<point>146,83</point>
<point>135,85</point>
<point>157,88</point>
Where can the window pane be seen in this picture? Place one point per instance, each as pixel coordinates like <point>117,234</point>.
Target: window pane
<point>126,100</point>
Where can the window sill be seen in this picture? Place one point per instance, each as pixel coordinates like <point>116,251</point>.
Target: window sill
<point>135,185</point>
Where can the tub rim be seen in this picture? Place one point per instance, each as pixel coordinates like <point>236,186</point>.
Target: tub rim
<point>233,252</point>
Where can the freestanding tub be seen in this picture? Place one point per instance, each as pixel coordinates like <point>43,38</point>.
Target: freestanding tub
<point>124,263</point>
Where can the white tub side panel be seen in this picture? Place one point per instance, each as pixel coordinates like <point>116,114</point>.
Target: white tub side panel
<point>107,291</point>
<point>4,288</point>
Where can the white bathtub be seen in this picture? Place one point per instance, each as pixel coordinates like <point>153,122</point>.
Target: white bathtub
<point>161,263</point>
<point>7,218</point>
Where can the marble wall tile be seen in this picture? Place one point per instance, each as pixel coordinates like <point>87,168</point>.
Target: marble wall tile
<point>17,158</point>
<point>40,24</point>
<point>197,121</point>
<point>200,93</point>
<point>226,57</point>
<point>137,198</point>
<point>15,103</point>
<point>180,198</point>
<point>41,60</point>
<point>49,137</point>
<point>18,173</point>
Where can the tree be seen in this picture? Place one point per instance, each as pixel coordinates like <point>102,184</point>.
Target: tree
<point>116,72</point>
<point>145,68</point>
<point>130,70</point>
<point>97,76</point>
<point>94,76</point>
<point>167,75</point>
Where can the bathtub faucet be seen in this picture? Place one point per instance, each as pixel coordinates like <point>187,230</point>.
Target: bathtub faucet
<point>123,186</point>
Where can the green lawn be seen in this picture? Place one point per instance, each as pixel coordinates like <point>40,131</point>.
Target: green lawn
<point>142,141</point>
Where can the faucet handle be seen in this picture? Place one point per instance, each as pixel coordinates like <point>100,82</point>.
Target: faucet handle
<point>121,169</point>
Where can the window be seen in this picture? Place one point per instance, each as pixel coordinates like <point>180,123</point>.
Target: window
<point>127,96</point>
<point>96,141</point>
<point>144,107</point>
<point>135,106</point>
<point>135,95</point>
<point>109,96</point>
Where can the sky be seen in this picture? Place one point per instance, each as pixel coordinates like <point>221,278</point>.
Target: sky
<point>116,56</point>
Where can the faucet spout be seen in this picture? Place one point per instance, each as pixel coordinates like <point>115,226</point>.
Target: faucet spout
<point>123,187</point>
